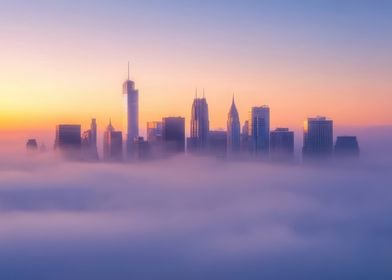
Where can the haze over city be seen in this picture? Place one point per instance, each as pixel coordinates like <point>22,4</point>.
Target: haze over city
<point>195,139</point>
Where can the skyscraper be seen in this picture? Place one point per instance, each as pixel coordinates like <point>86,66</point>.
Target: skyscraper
<point>154,132</point>
<point>318,137</point>
<point>199,125</point>
<point>346,146</point>
<point>233,130</point>
<point>68,140</point>
<point>217,143</point>
<point>32,145</point>
<point>260,129</point>
<point>112,144</point>
<point>173,134</point>
<point>281,144</point>
<point>68,136</point>
<point>245,137</point>
<point>131,112</point>
<point>89,142</point>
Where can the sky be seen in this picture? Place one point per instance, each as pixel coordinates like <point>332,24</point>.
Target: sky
<point>65,61</point>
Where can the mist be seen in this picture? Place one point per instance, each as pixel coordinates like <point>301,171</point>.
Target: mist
<point>197,218</point>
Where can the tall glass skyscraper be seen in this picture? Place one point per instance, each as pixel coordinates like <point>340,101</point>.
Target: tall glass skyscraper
<point>173,134</point>
<point>318,137</point>
<point>233,130</point>
<point>131,112</point>
<point>199,124</point>
<point>260,129</point>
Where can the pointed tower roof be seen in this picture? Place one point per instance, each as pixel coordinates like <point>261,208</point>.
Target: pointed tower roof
<point>233,108</point>
<point>110,126</point>
<point>233,113</point>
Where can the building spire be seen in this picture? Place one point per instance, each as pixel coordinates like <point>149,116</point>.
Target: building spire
<point>233,98</point>
<point>128,70</point>
<point>203,93</point>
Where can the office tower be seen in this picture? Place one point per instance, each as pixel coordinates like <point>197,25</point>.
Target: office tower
<point>233,131</point>
<point>68,137</point>
<point>112,144</point>
<point>154,132</point>
<point>217,143</point>
<point>173,134</point>
<point>281,144</point>
<point>245,138</point>
<point>318,138</point>
<point>346,146</point>
<point>199,125</point>
<point>32,145</point>
<point>141,149</point>
<point>131,112</point>
<point>89,142</point>
<point>259,129</point>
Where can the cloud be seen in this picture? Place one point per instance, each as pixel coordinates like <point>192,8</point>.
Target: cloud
<point>194,218</point>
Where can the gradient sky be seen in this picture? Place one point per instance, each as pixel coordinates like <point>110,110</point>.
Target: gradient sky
<point>64,61</point>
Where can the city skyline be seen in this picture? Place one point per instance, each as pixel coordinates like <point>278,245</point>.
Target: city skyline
<point>168,137</point>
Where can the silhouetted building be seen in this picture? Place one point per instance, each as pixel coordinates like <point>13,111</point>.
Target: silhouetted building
<point>233,131</point>
<point>89,142</point>
<point>199,125</point>
<point>245,138</point>
<point>131,112</point>
<point>173,134</point>
<point>318,138</point>
<point>281,144</point>
<point>112,144</point>
<point>141,149</point>
<point>68,136</point>
<point>346,146</point>
<point>260,129</point>
<point>32,145</point>
<point>217,143</point>
<point>154,132</point>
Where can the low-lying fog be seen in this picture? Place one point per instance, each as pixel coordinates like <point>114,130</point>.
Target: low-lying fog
<point>195,218</point>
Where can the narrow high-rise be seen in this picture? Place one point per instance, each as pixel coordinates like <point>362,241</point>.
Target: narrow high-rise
<point>233,130</point>
<point>260,129</point>
<point>112,144</point>
<point>131,112</point>
<point>318,137</point>
<point>199,125</point>
<point>89,142</point>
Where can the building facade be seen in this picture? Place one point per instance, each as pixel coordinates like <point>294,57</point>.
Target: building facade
<point>281,144</point>
<point>112,144</point>
<point>68,137</point>
<point>89,142</point>
<point>217,143</point>
<point>233,131</point>
<point>259,123</point>
<point>199,126</point>
<point>346,146</point>
<point>131,112</point>
<point>173,134</point>
<point>154,132</point>
<point>318,138</point>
